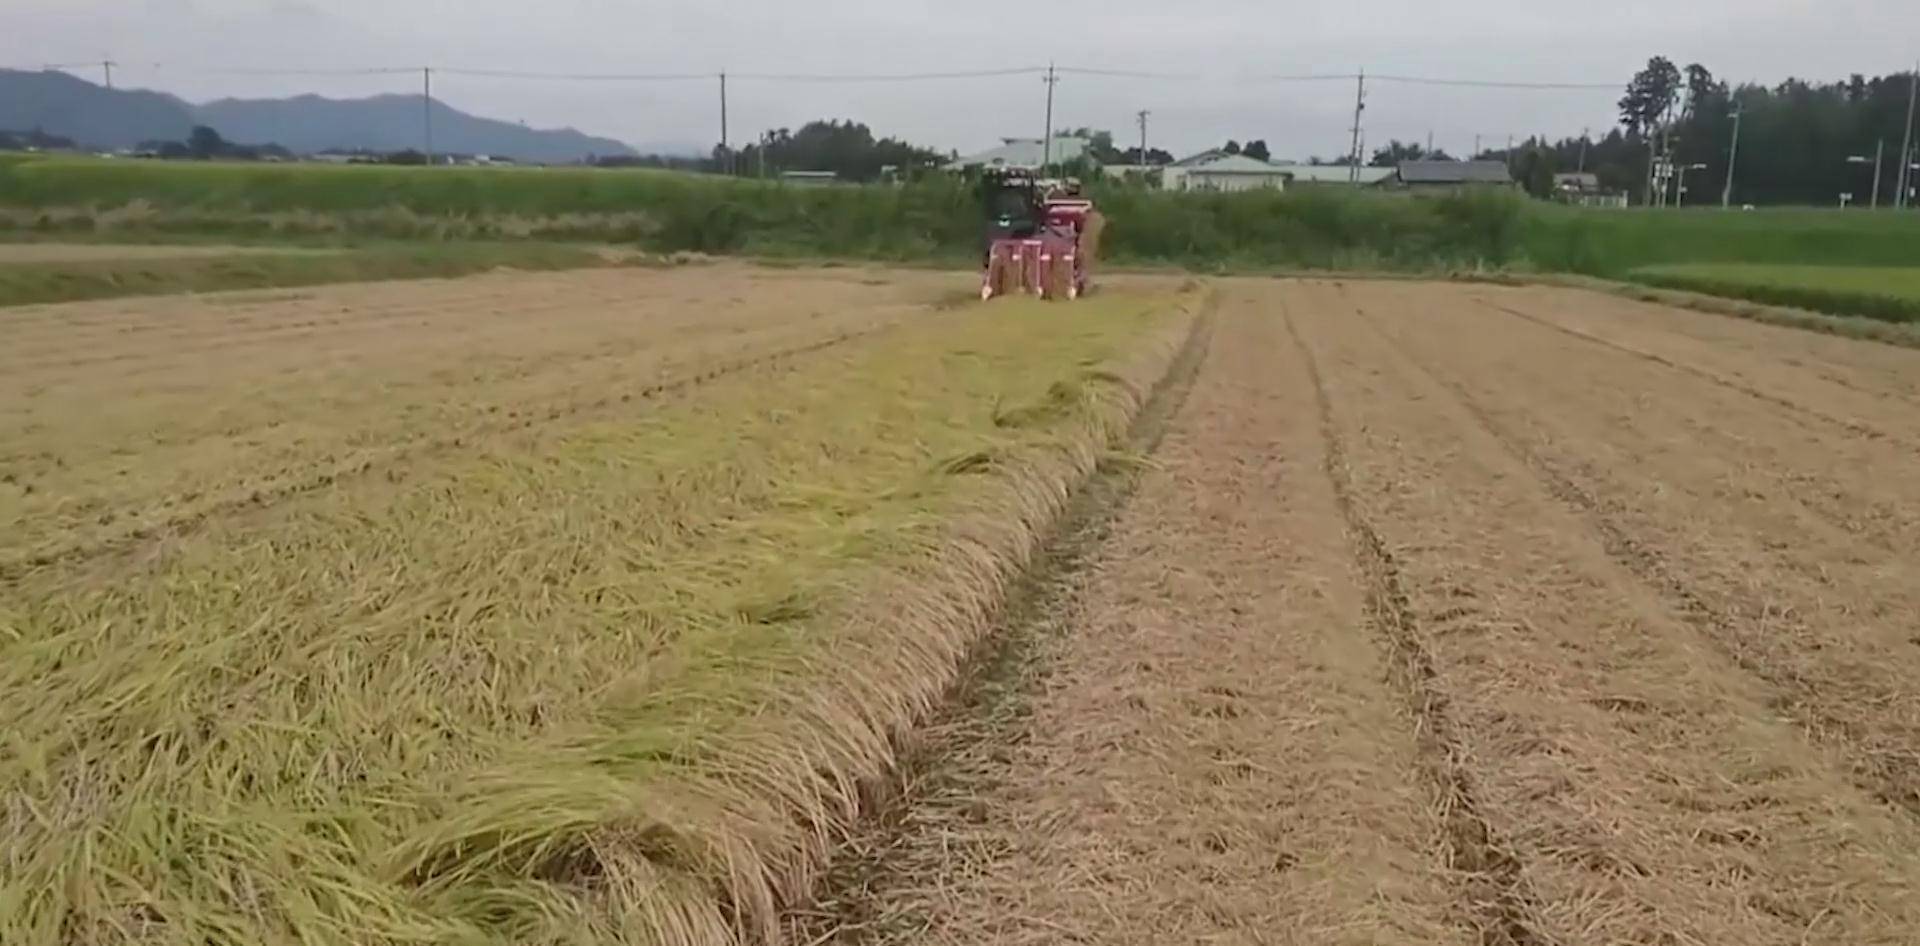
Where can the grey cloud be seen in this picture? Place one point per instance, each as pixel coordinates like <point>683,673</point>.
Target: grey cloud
<point>1227,40</point>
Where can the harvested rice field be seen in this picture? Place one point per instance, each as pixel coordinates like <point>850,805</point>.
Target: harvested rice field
<point>735,605</point>
<point>1453,614</point>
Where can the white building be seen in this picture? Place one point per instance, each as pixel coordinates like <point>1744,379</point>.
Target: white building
<point>1027,153</point>
<point>1220,171</point>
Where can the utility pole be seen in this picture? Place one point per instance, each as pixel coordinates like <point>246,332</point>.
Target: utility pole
<point>1733,155</point>
<point>1879,158</point>
<point>107,66</point>
<point>426,110</point>
<point>1046,140</point>
<point>1906,142</point>
<point>1653,162</point>
<point>1911,161</point>
<point>726,153</point>
<point>1659,158</point>
<point>1585,134</point>
<point>1676,172</point>
<point>1359,106</point>
<point>1143,140</point>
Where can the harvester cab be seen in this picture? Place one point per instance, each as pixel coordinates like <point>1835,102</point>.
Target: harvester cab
<point>1014,205</point>
<point>1041,236</point>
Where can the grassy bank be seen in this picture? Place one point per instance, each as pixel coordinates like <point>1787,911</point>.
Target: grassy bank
<point>617,681</point>
<point>1614,243</point>
<point>667,212</point>
<point>39,282</point>
<point>937,220</point>
<point>1904,334</point>
<point>1879,292</point>
<point>325,188</point>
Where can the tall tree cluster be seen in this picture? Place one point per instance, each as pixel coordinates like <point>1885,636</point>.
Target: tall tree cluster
<point>1397,151</point>
<point>847,148</point>
<point>1801,142</point>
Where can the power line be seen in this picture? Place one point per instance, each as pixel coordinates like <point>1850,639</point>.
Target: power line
<point>736,76</point>
<point>1128,73</point>
<point>1497,84</point>
<point>1302,77</point>
<point>891,77</point>
<point>580,76</point>
<point>372,71</point>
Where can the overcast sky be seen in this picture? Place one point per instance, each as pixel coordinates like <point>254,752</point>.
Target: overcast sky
<point>174,46</point>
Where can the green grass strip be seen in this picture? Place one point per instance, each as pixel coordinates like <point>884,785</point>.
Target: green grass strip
<point>1887,293</point>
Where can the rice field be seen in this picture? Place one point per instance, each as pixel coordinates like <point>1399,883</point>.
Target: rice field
<point>731,605</point>
<point>1454,614</point>
<point>516,609</point>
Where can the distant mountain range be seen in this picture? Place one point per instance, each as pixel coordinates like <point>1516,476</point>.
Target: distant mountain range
<point>71,107</point>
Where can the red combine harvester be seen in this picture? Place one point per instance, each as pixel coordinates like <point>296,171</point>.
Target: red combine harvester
<point>1042,236</point>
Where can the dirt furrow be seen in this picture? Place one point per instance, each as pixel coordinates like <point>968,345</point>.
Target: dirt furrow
<point>1647,788</point>
<point>1817,482</point>
<point>1768,356</point>
<point>1891,777</point>
<point>1201,745</point>
<point>1796,407</point>
<point>1828,632</point>
<point>1495,892</point>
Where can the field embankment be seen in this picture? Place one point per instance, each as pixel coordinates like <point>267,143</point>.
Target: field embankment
<point>1616,242</point>
<point>516,609</point>
<point>33,273</point>
<point>1887,293</point>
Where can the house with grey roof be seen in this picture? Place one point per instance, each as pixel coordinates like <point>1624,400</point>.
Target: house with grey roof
<point>1026,153</point>
<point>1205,157</point>
<point>1450,176</point>
<point>1217,170</point>
<point>1342,175</point>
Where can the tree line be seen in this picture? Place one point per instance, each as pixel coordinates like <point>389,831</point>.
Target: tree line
<point>847,148</point>
<point>206,144</point>
<point>1800,141</point>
